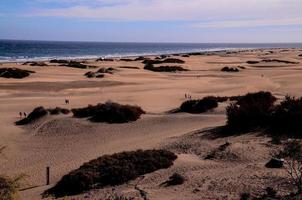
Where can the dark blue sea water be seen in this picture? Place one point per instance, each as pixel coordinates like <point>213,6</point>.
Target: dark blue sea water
<point>12,50</point>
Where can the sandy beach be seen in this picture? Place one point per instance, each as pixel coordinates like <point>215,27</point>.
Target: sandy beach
<point>64,143</point>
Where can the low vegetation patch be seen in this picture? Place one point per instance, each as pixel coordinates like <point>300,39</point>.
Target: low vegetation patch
<point>109,112</point>
<point>167,60</point>
<point>139,58</point>
<point>230,69</point>
<point>100,73</point>
<point>222,152</point>
<point>280,61</point>
<point>40,64</point>
<point>126,59</point>
<point>286,117</point>
<point>36,114</point>
<point>273,60</point>
<point>128,67</point>
<point>40,112</point>
<point>14,73</point>
<point>199,106</point>
<point>91,74</point>
<point>76,64</point>
<point>251,111</point>
<point>111,170</point>
<point>58,110</point>
<point>259,111</point>
<point>252,62</point>
<point>151,67</point>
<point>59,61</point>
<point>108,70</point>
<point>175,179</point>
<point>9,187</point>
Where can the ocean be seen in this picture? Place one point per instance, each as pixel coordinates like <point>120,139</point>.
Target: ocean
<point>19,51</point>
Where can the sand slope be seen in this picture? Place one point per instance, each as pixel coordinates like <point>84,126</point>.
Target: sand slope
<point>64,143</point>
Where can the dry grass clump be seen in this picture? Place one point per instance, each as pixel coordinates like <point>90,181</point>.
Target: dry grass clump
<point>110,170</point>
<point>39,64</point>
<point>14,73</point>
<point>109,112</point>
<point>199,106</point>
<point>36,114</point>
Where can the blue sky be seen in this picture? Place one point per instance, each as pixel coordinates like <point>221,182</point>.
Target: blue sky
<point>152,20</point>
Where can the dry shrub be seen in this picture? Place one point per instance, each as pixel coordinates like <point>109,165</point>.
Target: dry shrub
<point>199,106</point>
<point>109,112</point>
<point>14,73</point>
<point>151,67</point>
<point>252,111</point>
<point>110,170</point>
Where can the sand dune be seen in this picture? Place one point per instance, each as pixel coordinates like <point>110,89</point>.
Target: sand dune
<point>64,142</point>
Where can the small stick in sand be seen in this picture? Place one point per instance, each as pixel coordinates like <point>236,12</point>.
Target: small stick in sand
<point>47,175</point>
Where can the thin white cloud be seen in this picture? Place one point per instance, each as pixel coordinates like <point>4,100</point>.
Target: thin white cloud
<point>206,13</point>
<point>249,23</point>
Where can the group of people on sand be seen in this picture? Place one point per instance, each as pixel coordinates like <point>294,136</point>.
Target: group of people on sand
<point>187,96</point>
<point>22,114</point>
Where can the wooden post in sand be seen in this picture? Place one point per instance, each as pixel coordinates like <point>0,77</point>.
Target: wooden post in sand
<point>47,175</point>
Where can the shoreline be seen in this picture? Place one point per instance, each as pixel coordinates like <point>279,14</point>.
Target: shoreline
<point>133,56</point>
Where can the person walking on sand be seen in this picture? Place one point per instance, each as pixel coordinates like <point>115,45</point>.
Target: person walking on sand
<point>20,114</point>
<point>66,101</point>
<point>25,115</point>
